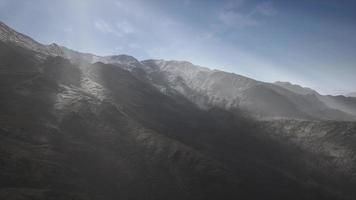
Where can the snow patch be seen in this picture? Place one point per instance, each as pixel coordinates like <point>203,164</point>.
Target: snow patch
<point>93,88</point>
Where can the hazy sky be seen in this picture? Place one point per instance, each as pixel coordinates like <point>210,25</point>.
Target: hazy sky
<point>308,42</point>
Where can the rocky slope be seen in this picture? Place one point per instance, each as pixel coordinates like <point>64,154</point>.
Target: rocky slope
<point>74,129</point>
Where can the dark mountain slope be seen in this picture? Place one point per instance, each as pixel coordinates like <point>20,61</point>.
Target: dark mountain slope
<point>330,146</point>
<point>60,142</point>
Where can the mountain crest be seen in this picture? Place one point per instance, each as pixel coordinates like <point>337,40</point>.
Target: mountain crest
<point>296,88</point>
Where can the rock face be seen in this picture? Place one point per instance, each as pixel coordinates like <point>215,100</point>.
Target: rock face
<point>80,126</point>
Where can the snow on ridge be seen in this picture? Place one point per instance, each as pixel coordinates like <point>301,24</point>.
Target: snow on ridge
<point>7,34</point>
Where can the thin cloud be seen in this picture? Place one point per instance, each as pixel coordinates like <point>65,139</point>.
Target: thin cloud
<point>105,27</point>
<point>231,5</point>
<point>235,15</point>
<point>233,19</point>
<point>125,27</point>
<point>68,29</point>
<point>118,29</point>
<point>187,2</point>
<point>266,8</point>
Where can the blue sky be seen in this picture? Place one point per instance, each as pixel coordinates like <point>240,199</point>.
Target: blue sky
<point>311,43</point>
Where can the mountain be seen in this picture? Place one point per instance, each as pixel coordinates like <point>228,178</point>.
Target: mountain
<point>352,94</point>
<point>79,126</point>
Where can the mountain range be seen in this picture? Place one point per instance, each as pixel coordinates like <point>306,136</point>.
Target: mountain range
<point>80,126</point>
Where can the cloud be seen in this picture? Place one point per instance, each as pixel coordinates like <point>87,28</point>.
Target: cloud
<point>125,27</point>
<point>187,2</point>
<point>68,29</point>
<point>266,8</point>
<point>119,29</point>
<point>230,5</point>
<point>104,27</point>
<point>235,14</point>
<point>236,19</point>
<point>118,4</point>
<point>134,45</point>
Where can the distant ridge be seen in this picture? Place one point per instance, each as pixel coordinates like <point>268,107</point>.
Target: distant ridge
<point>352,94</point>
<point>296,88</point>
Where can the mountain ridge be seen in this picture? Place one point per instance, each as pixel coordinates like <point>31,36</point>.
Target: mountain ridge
<point>207,87</point>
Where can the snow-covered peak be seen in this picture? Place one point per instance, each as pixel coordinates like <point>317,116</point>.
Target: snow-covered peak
<point>184,69</point>
<point>122,59</point>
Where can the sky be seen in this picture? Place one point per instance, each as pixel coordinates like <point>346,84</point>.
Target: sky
<point>310,43</point>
